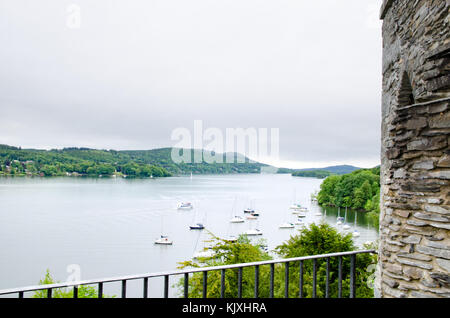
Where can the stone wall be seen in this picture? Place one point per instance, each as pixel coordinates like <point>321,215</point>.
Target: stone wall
<point>414,251</point>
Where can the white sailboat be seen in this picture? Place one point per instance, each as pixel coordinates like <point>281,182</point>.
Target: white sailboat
<point>286,225</point>
<point>185,206</point>
<point>163,239</point>
<point>295,206</point>
<point>339,218</point>
<point>250,208</point>
<point>207,252</point>
<point>346,226</point>
<point>253,232</point>
<point>355,231</point>
<point>236,218</point>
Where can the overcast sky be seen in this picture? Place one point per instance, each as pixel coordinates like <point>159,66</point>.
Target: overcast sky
<point>133,71</point>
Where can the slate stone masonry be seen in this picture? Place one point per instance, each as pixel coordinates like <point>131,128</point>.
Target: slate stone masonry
<point>414,251</point>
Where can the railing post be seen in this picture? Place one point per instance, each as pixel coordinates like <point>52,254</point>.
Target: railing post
<point>352,276</point>
<point>186,285</point>
<point>222,283</point>
<point>21,294</point>
<point>166,286</point>
<point>272,274</point>
<point>256,281</point>
<point>327,286</point>
<point>286,280</point>
<point>75,292</point>
<point>340,277</point>
<point>300,287</point>
<point>314,291</point>
<point>240,282</point>
<point>145,292</point>
<point>205,284</point>
<point>100,290</point>
<point>124,288</point>
<point>49,293</point>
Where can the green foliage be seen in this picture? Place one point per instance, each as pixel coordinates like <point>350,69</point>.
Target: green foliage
<point>227,253</point>
<point>83,291</point>
<point>324,239</point>
<point>359,190</point>
<point>312,174</point>
<point>314,240</point>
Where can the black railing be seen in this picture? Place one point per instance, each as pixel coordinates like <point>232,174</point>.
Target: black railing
<point>256,265</point>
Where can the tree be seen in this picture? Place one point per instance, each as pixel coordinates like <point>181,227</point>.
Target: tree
<point>226,253</point>
<point>324,239</point>
<point>314,240</point>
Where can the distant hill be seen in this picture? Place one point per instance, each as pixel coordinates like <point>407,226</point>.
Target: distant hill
<point>320,172</point>
<point>138,163</point>
<point>342,169</point>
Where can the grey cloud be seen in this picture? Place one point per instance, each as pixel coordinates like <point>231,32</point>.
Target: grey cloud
<point>134,71</point>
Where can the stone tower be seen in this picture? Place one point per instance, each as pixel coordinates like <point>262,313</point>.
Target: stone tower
<point>414,252</point>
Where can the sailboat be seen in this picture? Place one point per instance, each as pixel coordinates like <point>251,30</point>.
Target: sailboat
<point>339,218</point>
<point>236,218</point>
<point>163,239</point>
<point>301,215</point>
<point>250,208</point>
<point>286,224</point>
<point>196,226</point>
<point>346,226</point>
<point>253,232</point>
<point>355,231</point>
<point>299,222</point>
<point>185,206</point>
<point>231,238</point>
<point>205,253</point>
<point>253,215</point>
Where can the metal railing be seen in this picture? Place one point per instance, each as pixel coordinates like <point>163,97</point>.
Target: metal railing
<point>256,265</point>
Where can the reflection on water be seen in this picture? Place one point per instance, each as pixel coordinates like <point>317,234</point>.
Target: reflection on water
<point>108,226</point>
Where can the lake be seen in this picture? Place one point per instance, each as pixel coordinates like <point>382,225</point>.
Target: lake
<point>107,226</point>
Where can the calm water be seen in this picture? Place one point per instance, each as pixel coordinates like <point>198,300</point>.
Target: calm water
<point>107,226</point>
